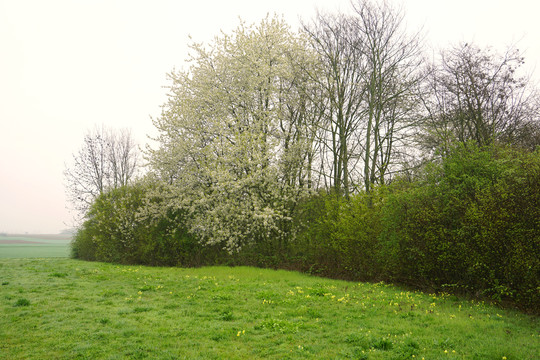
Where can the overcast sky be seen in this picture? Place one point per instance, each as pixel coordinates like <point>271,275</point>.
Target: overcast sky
<point>66,66</point>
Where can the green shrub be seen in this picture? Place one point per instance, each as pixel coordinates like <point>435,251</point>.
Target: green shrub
<point>83,245</point>
<point>121,228</point>
<point>472,224</point>
<point>113,226</point>
<point>339,237</point>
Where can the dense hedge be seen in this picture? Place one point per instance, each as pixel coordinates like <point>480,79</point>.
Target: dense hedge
<point>118,230</point>
<point>339,237</point>
<point>473,226</point>
<point>469,223</point>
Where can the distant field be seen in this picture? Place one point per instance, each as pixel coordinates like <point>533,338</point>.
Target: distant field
<point>34,246</point>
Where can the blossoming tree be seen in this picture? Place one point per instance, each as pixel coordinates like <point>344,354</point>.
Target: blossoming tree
<point>236,135</point>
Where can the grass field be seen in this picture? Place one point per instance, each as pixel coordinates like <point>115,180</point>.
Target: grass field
<point>68,309</point>
<point>34,246</point>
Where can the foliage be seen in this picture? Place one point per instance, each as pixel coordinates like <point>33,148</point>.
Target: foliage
<point>111,232</point>
<point>119,229</point>
<point>338,237</point>
<point>472,226</point>
<point>233,141</point>
<point>83,245</point>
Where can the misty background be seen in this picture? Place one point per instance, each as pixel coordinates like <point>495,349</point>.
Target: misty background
<point>68,66</point>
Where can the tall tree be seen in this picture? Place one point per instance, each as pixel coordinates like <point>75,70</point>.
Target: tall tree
<point>391,58</point>
<point>475,94</point>
<point>235,137</point>
<point>334,38</point>
<point>370,71</point>
<point>106,160</point>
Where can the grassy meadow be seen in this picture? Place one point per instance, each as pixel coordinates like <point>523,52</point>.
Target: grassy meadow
<point>68,309</point>
<point>34,246</point>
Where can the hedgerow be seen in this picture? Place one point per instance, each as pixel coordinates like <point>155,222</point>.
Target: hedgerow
<point>469,223</point>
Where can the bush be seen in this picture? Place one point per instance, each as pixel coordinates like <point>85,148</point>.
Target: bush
<point>119,229</point>
<point>83,245</point>
<point>339,236</point>
<point>472,224</point>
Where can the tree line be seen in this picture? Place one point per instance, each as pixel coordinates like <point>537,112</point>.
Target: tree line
<point>273,137</point>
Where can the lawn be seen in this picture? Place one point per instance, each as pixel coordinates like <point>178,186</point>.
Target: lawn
<point>34,246</point>
<point>69,309</point>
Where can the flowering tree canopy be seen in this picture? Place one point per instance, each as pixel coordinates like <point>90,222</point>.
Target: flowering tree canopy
<point>236,135</point>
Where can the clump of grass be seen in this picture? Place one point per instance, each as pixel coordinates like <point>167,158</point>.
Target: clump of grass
<point>222,297</point>
<point>141,309</point>
<point>226,315</point>
<point>21,302</point>
<point>58,275</point>
<point>317,292</point>
<point>382,344</point>
<point>146,288</point>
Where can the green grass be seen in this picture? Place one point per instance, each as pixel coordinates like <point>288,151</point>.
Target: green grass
<point>68,309</point>
<point>41,246</point>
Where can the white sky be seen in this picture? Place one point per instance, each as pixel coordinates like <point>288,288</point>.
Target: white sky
<point>66,66</point>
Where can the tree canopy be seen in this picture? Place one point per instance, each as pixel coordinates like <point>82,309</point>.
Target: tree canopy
<point>235,138</point>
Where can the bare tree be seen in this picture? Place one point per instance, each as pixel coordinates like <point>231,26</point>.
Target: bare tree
<point>392,59</point>
<point>123,157</point>
<point>475,94</point>
<point>106,160</point>
<point>370,74</point>
<point>334,39</point>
